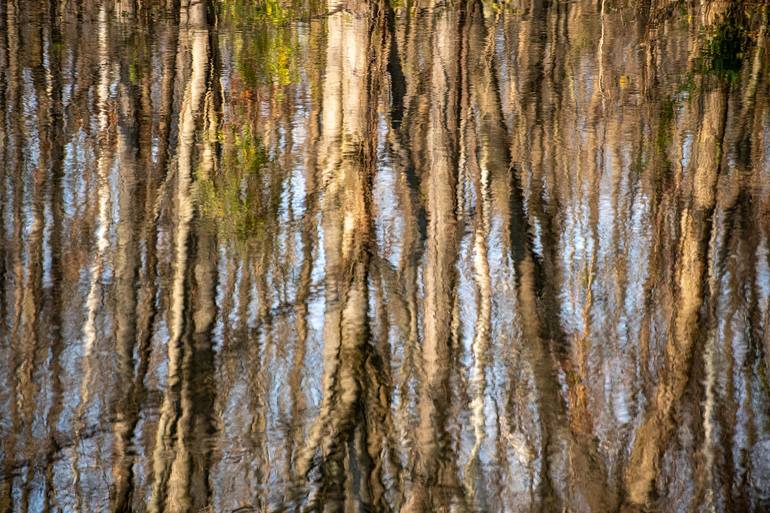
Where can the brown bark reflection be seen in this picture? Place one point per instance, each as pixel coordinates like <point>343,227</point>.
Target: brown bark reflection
<point>344,441</point>
<point>436,484</point>
<point>126,301</point>
<point>177,462</point>
<point>695,224</point>
<point>694,253</point>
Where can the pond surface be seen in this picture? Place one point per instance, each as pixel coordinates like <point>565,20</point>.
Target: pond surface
<point>370,256</point>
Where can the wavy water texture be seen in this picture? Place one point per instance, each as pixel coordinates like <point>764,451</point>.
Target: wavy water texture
<point>347,255</point>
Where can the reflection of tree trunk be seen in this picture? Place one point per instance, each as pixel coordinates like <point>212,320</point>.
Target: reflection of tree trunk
<point>172,460</point>
<point>148,299</point>
<point>435,483</point>
<point>405,283</point>
<point>586,471</point>
<point>309,243</point>
<point>728,239</point>
<point>662,202</point>
<point>695,229</point>
<point>340,433</point>
<point>55,292</point>
<point>4,78</point>
<point>125,292</point>
<point>104,162</point>
<point>168,73</point>
<point>31,264</point>
<point>481,143</point>
<point>528,146</point>
<point>756,373</point>
<point>330,134</point>
<point>724,480</point>
<point>133,320</point>
<point>11,246</point>
<point>200,373</point>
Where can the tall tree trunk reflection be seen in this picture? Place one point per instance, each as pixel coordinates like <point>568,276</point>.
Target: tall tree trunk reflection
<point>341,435</point>
<point>695,224</point>
<point>126,303</point>
<point>435,482</point>
<point>176,486</point>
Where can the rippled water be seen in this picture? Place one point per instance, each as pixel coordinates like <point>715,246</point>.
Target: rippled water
<point>412,256</point>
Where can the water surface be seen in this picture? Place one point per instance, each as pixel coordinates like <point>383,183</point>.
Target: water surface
<point>384,256</point>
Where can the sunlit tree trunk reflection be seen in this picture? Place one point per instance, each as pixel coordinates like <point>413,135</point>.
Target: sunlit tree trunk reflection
<point>340,437</point>
<point>173,456</point>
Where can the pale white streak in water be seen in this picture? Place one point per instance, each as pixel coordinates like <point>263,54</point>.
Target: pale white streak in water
<point>600,54</point>
<point>329,159</point>
<point>709,407</point>
<point>103,199</point>
<point>193,97</point>
<point>104,161</point>
<point>481,337</point>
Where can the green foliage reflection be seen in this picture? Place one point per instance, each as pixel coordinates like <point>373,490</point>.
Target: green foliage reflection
<point>243,198</point>
<point>725,47</point>
<point>266,46</point>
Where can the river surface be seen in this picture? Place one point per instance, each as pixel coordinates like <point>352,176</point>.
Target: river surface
<point>415,256</point>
